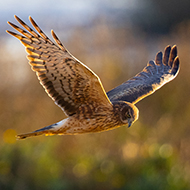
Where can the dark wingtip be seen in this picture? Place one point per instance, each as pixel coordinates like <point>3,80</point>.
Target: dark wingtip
<point>8,31</point>
<point>13,34</point>
<point>54,35</point>
<point>167,49</point>
<point>174,50</point>
<point>32,21</point>
<point>30,18</point>
<point>175,66</point>
<point>18,19</point>
<point>166,54</point>
<point>16,16</point>
<point>168,46</point>
<point>150,63</point>
<point>11,24</point>
<point>158,58</point>
<point>173,55</point>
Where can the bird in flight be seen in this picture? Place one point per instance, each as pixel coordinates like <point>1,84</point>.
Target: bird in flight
<point>78,91</point>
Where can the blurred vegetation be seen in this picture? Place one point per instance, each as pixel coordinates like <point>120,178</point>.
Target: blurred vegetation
<point>153,154</point>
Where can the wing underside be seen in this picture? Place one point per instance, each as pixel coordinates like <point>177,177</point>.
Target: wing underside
<point>70,83</point>
<point>151,78</point>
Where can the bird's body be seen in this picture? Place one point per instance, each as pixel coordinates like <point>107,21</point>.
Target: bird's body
<point>98,121</point>
<point>78,91</point>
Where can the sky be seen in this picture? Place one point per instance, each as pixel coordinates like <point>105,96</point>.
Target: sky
<point>10,5</point>
<point>58,15</point>
<point>69,11</point>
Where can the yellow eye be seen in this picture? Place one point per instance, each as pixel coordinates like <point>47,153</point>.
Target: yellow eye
<point>128,115</point>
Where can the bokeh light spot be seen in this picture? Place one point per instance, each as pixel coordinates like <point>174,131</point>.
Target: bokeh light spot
<point>9,136</point>
<point>80,170</point>
<point>154,150</point>
<point>130,150</point>
<point>165,150</point>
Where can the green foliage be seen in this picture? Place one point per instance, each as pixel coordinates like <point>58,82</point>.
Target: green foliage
<point>41,165</point>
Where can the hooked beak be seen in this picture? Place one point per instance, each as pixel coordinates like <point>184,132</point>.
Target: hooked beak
<point>129,123</point>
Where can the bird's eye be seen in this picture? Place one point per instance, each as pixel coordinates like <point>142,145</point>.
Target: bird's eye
<point>128,115</point>
<point>125,114</point>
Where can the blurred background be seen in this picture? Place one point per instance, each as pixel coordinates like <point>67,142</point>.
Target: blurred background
<point>115,39</point>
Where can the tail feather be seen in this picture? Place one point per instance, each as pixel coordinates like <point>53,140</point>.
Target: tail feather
<point>48,130</point>
<point>31,134</point>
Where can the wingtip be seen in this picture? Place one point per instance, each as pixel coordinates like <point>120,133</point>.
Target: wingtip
<point>9,32</point>
<point>172,56</point>
<point>176,61</point>
<point>174,46</point>
<point>11,24</point>
<point>174,50</point>
<point>166,54</point>
<point>176,64</point>
<point>52,32</point>
<point>158,58</point>
<point>54,35</point>
<point>17,18</point>
<point>167,48</point>
<point>159,53</point>
<point>13,34</point>
<point>31,19</point>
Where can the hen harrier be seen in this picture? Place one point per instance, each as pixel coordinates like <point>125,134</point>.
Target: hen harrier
<point>78,91</point>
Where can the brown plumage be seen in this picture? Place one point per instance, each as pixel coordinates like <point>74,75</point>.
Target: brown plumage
<point>78,91</point>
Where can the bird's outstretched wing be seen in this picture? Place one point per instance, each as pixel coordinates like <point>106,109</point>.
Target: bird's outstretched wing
<point>152,77</point>
<point>70,83</point>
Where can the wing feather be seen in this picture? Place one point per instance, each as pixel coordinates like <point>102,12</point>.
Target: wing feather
<point>70,83</point>
<point>151,78</point>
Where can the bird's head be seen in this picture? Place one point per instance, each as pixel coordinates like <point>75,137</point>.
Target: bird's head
<point>128,112</point>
